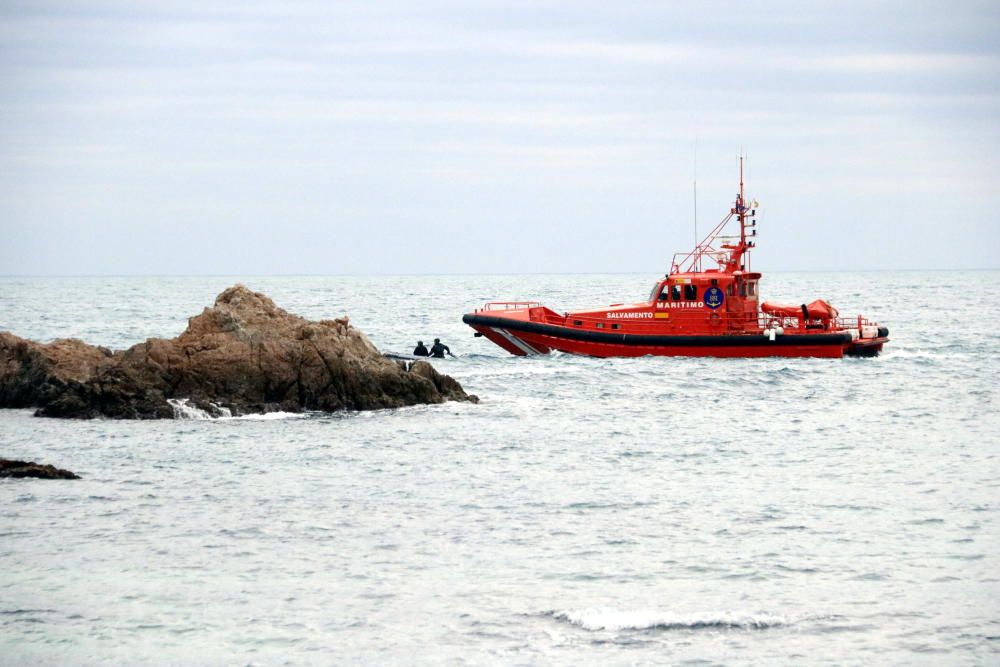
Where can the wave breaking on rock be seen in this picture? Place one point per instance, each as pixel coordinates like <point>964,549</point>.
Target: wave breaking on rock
<point>244,355</point>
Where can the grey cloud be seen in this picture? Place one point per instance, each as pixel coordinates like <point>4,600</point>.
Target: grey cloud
<point>293,131</point>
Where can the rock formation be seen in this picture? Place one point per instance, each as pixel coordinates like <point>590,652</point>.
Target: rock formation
<point>31,469</point>
<point>244,355</point>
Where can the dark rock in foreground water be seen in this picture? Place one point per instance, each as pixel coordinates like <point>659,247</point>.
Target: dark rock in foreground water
<point>32,469</point>
<point>244,355</point>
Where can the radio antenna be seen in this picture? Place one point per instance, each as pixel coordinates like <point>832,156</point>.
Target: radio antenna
<point>696,190</point>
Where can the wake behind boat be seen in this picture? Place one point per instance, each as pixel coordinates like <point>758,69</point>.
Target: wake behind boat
<point>693,311</point>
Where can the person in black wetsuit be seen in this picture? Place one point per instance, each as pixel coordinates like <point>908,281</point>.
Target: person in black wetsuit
<point>420,350</point>
<point>438,350</point>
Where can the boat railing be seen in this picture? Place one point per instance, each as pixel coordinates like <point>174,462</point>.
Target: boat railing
<point>509,305</point>
<point>855,322</point>
<point>765,321</point>
<point>695,320</point>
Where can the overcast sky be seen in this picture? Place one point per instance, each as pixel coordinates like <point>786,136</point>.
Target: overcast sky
<point>253,137</point>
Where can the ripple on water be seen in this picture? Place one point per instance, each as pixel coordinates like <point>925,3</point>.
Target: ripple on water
<point>611,619</point>
<point>803,498</point>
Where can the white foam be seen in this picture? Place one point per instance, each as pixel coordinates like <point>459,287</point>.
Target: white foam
<point>611,619</point>
<point>184,410</point>
<point>271,416</point>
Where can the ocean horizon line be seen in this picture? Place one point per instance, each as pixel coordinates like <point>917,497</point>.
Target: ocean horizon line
<point>457,273</point>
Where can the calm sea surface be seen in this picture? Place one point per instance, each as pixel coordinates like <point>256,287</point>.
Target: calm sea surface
<point>625,511</point>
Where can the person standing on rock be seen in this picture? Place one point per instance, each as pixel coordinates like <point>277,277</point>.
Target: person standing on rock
<point>438,350</point>
<point>420,350</point>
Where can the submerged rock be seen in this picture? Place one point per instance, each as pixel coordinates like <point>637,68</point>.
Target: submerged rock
<point>31,469</point>
<point>243,355</point>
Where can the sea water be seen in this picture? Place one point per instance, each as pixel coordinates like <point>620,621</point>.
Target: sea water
<point>603,511</point>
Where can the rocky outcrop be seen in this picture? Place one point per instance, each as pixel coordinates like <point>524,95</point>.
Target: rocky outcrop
<point>31,469</point>
<point>244,355</point>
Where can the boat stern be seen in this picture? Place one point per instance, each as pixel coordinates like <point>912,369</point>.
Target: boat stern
<point>868,343</point>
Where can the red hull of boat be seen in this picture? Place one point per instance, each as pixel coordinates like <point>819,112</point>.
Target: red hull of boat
<point>510,336</point>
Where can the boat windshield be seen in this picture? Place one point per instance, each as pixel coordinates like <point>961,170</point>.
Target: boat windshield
<point>655,293</point>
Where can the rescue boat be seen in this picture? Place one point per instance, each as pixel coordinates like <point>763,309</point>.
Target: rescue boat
<point>707,305</point>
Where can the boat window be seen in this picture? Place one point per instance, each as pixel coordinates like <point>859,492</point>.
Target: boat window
<point>577,323</point>
<point>690,292</point>
<point>729,289</point>
<point>656,292</point>
<point>743,289</point>
<point>599,325</point>
<point>752,287</point>
<point>616,326</point>
<point>675,292</point>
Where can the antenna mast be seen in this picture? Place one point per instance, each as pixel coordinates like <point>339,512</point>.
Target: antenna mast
<point>696,192</point>
<point>741,214</point>
<point>731,255</point>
